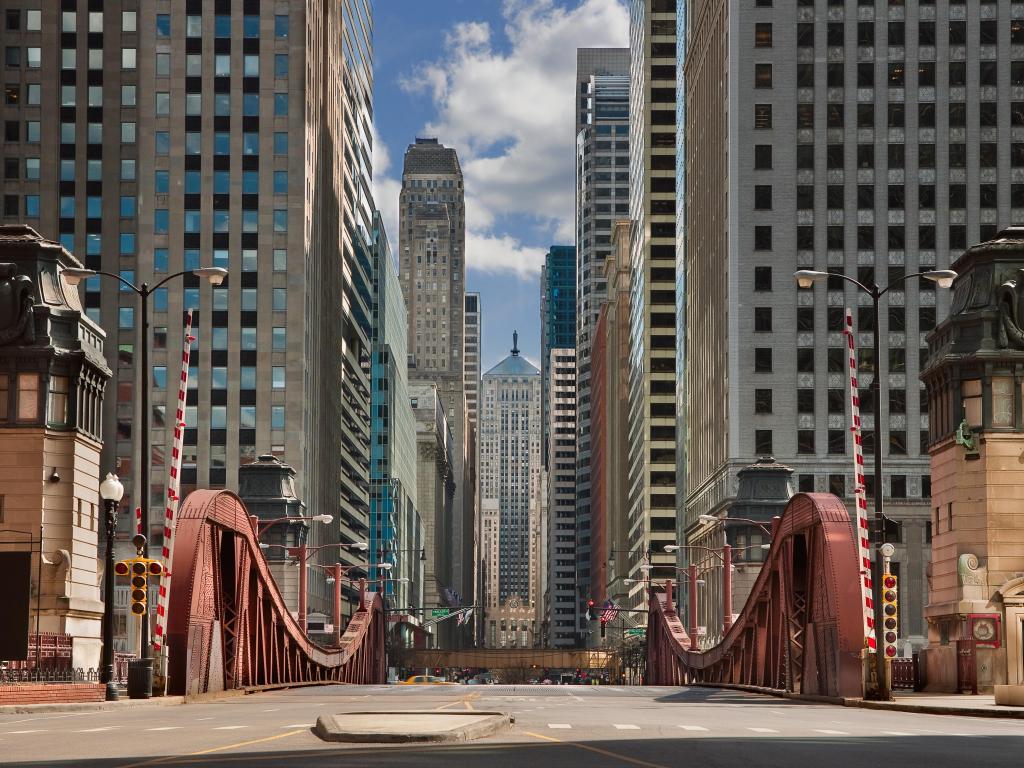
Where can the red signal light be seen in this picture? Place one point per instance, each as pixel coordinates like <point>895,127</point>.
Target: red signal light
<point>590,603</point>
<point>890,651</point>
<point>890,595</point>
<point>156,568</point>
<point>121,568</point>
<point>890,582</point>
<point>138,567</point>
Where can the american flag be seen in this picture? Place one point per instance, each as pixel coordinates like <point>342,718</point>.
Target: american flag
<point>610,612</point>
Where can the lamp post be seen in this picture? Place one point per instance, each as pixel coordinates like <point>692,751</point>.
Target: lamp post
<point>111,492</point>
<point>215,276</point>
<point>806,278</point>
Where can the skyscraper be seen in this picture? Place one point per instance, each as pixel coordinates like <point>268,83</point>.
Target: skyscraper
<point>432,269</point>
<point>510,469</point>
<point>557,316</point>
<point>874,145</point>
<point>602,195</point>
<point>471,355</point>
<point>156,138</point>
<point>652,358</point>
<point>562,600</point>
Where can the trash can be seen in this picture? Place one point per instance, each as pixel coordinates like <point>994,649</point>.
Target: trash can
<point>140,679</point>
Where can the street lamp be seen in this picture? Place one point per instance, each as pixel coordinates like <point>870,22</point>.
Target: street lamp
<point>806,278</point>
<point>723,520</point>
<point>215,276</point>
<point>111,492</point>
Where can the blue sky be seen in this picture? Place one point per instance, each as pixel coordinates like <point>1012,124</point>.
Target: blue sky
<point>495,80</point>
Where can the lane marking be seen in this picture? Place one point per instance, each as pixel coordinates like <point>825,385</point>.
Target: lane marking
<point>828,732</point>
<point>277,709</point>
<point>589,748</point>
<point>625,727</point>
<point>204,718</point>
<point>165,728</point>
<point>96,730</point>
<point>184,758</point>
<point>559,725</point>
<point>229,727</point>
<point>762,730</point>
<point>693,727</point>
<point>39,730</point>
<point>300,725</point>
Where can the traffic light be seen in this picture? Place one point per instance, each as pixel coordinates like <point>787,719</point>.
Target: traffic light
<point>590,610</point>
<point>139,569</point>
<point>890,616</point>
<point>603,622</point>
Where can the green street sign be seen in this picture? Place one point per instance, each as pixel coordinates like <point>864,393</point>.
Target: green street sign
<point>636,632</point>
<point>436,612</point>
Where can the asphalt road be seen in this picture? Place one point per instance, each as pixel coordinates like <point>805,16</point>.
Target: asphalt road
<point>563,726</point>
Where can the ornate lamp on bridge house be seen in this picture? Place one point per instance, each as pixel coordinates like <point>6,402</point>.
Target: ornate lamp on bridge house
<point>52,378</point>
<point>975,379</point>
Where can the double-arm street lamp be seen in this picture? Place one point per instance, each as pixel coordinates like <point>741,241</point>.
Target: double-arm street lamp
<point>215,276</point>
<point>336,575</point>
<point>111,492</point>
<point>806,278</point>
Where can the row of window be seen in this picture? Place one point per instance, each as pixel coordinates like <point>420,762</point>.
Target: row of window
<point>221,221</point>
<point>865,236</point>
<point>836,360</point>
<point>837,401</point>
<point>837,441</point>
<point>897,488</point>
<point>277,377</point>
<point>162,25</point>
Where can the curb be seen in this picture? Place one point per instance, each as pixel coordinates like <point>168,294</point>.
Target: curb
<point>91,706</point>
<point>895,706</point>
<point>328,729</point>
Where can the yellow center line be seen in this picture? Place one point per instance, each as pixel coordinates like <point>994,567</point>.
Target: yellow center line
<point>597,750</point>
<point>170,758</point>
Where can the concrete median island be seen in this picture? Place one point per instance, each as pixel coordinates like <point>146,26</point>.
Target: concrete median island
<point>409,726</point>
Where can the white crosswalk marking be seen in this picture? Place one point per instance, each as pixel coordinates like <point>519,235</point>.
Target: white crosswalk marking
<point>165,728</point>
<point>559,725</point>
<point>693,727</point>
<point>762,730</point>
<point>229,727</point>
<point>828,732</point>
<point>626,727</point>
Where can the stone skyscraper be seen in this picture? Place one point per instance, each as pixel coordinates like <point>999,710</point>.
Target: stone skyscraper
<point>154,138</point>
<point>873,141</point>
<point>652,354</point>
<point>510,471</point>
<point>432,269</point>
<point>602,196</point>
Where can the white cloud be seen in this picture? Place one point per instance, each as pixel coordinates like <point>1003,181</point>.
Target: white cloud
<point>385,188</point>
<point>510,115</point>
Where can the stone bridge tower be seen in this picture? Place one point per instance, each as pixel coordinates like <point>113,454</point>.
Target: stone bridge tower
<point>975,378</point>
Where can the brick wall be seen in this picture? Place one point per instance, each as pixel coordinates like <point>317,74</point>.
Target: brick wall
<point>51,693</point>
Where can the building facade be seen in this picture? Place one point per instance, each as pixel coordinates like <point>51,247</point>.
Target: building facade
<point>652,357</point>
<point>557,317</point>
<point>510,469</point>
<point>395,528</point>
<point>905,131</point>
<point>560,563</point>
<point>432,270</point>
<point>151,139</point>
<point>435,496</point>
<point>602,195</point>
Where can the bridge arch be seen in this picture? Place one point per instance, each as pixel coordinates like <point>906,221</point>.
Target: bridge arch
<point>228,624</point>
<point>801,628</point>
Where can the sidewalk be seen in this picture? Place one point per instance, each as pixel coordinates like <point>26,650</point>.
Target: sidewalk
<point>95,706</point>
<point>983,705</point>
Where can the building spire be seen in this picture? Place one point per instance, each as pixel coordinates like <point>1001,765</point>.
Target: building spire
<point>515,343</point>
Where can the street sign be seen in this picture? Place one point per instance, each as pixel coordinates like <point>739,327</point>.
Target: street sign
<point>436,612</point>
<point>636,632</point>
<point>702,631</point>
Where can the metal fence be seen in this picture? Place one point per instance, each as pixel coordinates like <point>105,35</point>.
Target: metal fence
<point>54,654</point>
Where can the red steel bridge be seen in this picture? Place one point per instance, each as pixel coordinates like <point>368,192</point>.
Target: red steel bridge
<point>801,629</point>
<point>229,626</point>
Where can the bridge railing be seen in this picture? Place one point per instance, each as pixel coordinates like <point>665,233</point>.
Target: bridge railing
<point>801,627</point>
<point>228,624</point>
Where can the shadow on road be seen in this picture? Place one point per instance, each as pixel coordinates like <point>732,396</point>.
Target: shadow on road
<point>933,751</point>
<point>722,696</point>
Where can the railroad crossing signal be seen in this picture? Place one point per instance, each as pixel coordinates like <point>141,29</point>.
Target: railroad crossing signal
<point>890,615</point>
<point>139,569</point>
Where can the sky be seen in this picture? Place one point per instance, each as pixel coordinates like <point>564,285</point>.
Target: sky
<point>495,79</point>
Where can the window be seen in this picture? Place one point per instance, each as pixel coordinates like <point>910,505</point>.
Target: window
<point>762,401</point>
<point>161,221</point>
<point>281,65</point>
<point>281,26</point>
<point>763,237</point>
<point>280,182</point>
<point>762,116</point>
<point>222,25</point>
<point>280,299</point>
<point>762,197</point>
<point>277,376</point>
<point>805,35</point>
<point>763,442</point>
<point>277,417</point>
<point>762,75</point>
<point>837,485</point>
<point>837,442</point>
<point>280,220</point>
<point>762,157</point>
<point>28,396</point>
<point>763,319</point>
<point>762,278</point>
<point>897,443</point>
<point>280,105</point>
<point>805,441</point>
<point>128,58</point>
<point>763,35</point>
<point>762,360</point>
<point>280,338</point>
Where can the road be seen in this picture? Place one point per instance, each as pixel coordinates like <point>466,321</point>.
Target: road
<point>563,726</point>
